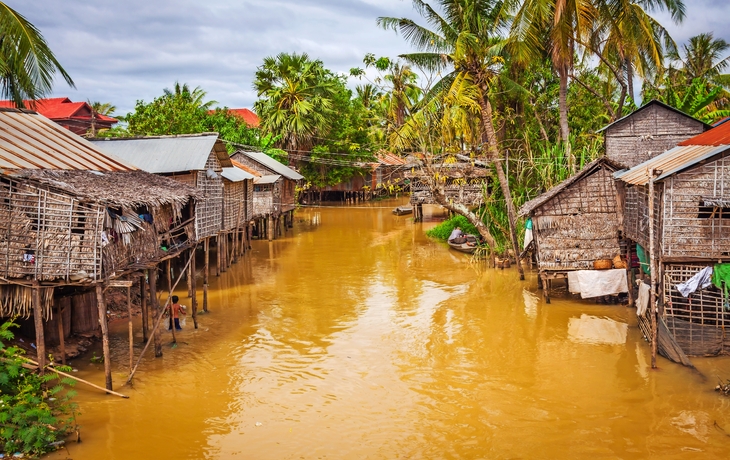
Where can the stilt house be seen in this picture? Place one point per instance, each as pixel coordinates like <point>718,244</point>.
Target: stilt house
<point>690,223</point>
<point>647,132</point>
<point>576,223</point>
<point>74,217</point>
<point>237,209</point>
<point>274,191</point>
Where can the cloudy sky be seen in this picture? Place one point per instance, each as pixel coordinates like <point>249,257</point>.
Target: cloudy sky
<point>127,50</point>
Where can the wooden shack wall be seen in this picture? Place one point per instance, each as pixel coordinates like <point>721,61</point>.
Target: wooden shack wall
<point>471,194</point>
<point>647,133</point>
<point>636,214</point>
<point>248,198</point>
<point>209,209</point>
<point>687,232</point>
<point>287,194</point>
<point>263,201</point>
<point>234,204</point>
<point>47,235</point>
<point>579,225</point>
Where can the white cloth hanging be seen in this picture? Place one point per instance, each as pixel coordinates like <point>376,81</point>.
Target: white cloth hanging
<point>701,280</point>
<point>642,302</point>
<point>597,283</point>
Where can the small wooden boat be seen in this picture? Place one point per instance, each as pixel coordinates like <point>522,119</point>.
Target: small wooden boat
<point>467,244</point>
<point>403,210</point>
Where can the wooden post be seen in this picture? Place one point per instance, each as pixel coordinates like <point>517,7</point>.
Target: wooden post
<point>60,335</point>
<point>628,275</point>
<point>104,335</point>
<point>143,306</point>
<point>250,235</point>
<point>653,269</point>
<point>190,283</point>
<point>131,332</point>
<point>40,338</point>
<point>169,289</point>
<point>224,251</point>
<point>194,297</point>
<point>206,274</point>
<point>218,255</point>
<point>270,227</point>
<point>156,310</point>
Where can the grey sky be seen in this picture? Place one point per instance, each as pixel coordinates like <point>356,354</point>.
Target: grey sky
<point>127,50</point>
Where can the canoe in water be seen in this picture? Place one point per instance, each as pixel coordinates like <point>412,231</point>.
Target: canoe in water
<point>403,210</point>
<point>466,244</point>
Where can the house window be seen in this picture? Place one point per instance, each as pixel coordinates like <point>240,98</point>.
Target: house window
<point>713,212</point>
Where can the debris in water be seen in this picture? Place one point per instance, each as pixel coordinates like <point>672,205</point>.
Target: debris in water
<point>259,424</point>
<point>724,388</point>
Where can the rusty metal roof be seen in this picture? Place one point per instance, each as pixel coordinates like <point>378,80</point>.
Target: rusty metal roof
<point>31,141</point>
<point>670,162</point>
<point>719,135</point>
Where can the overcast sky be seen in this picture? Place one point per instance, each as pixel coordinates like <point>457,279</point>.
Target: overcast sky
<point>127,50</point>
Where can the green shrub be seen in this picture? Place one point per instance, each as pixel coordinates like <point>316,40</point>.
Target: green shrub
<point>35,410</point>
<point>444,229</point>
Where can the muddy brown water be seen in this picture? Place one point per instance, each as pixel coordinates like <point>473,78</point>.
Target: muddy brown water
<point>357,337</point>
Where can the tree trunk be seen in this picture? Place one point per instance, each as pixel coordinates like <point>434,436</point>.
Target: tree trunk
<point>563,106</point>
<point>496,158</point>
<point>629,79</point>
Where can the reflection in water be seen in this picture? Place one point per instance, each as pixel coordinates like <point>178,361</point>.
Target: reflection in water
<point>354,336</point>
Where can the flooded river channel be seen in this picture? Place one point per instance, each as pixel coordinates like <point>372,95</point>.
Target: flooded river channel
<point>357,337</point>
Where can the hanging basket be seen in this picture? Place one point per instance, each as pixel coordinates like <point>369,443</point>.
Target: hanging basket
<point>602,264</point>
<point>618,262</point>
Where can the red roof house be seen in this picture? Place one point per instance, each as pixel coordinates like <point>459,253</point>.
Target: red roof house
<point>251,119</point>
<point>74,116</point>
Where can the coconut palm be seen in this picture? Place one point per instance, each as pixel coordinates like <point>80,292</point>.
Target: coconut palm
<point>464,43</point>
<point>295,98</point>
<point>194,98</point>
<point>27,64</point>
<point>702,58</point>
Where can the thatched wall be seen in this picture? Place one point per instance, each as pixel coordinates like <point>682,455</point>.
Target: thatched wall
<point>647,133</point>
<point>636,214</point>
<point>209,209</point>
<point>470,194</point>
<point>263,200</point>
<point>696,217</point>
<point>248,199</point>
<point>285,191</point>
<point>698,322</point>
<point>234,204</point>
<point>578,225</point>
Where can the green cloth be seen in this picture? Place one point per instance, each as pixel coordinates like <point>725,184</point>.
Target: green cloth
<point>528,224</point>
<point>721,279</point>
<point>643,259</point>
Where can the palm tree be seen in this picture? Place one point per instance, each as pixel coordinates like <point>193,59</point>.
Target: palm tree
<point>464,41</point>
<point>295,98</point>
<point>194,98</point>
<point>703,59</point>
<point>27,64</point>
<point>99,108</point>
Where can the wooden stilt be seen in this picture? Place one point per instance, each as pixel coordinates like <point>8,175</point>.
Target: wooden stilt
<point>250,235</point>
<point>143,306</point>
<point>131,332</point>
<point>653,269</point>
<point>169,290</point>
<point>190,284</point>
<point>629,281</point>
<point>101,304</point>
<point>62,339</point>
<point>40,338</point>
<point>194,297</point>
<point>218,255</point>
<point>224,251</point>
<point>206,274</point>
<point>270,227</point>
<point>156,310</point>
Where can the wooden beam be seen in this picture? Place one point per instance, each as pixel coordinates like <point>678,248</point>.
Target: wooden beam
<point>156,310</point>
<point>104,335</point>
<point>206,274</point>
<point>40,339</point>
<point>194,290</point>
<point>131,331</point>
<point>143,306</point>
<point>653,269</point>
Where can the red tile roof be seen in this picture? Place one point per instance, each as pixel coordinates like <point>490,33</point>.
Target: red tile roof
<point>248,116</point>
<point>714,137</point>
<point>62,108</point>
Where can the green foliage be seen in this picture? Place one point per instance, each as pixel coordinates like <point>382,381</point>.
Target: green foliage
<point>444,229</point>
<point>34,408</point>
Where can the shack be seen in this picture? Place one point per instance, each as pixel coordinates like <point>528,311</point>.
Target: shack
<point>237,209</point>
<point>647,132</point>
<point>681,198</point>
<point>576,225</point>
<point>73,226</point>
<point>274,197</point>
<point>461,179</point>
<point>196,160</point>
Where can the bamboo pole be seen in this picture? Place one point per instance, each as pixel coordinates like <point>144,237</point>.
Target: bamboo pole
<point>101,305</point>
<point>78,379</point>
<point>628,275</point>
<point>40,339</point>
<point>131,332</point>
<point>206,274</point>
<point>143,306</point>
<point>61,339</point>
<point>652,268</point>
<point>194,289</point>
<point>156,310</point>
<point>169,288</point>
<point>218,255</point>
<point>155,330</point>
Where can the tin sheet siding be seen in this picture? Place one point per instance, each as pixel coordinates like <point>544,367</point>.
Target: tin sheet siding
<point>686,233</point>
<point>647,134</point>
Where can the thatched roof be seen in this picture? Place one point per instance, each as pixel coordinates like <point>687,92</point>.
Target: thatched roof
<point>117,188</point>
<point>590,168</point>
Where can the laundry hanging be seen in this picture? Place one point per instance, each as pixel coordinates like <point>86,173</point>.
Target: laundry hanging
<point>701,280</point>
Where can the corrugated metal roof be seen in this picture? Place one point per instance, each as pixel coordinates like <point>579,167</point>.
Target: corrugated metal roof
<point>274,165</point>
<point>670,162</point>
<point>235,174</point>
<point>31,141</point>
<point>167,154</point>
<point>263,180</point>
<point>717,136</point>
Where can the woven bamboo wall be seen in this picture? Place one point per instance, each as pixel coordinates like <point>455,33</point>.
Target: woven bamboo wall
<point>648,133</point>
<point>636,214</point>
<point>47,235</point>
<point>579,225</point>
<point>248,198</point>
<point>470,194</point>
<point>686,231</point>
<point>209,209</point>
<point>263,201</point>
<point>234,204</point>
<point>698,322</point>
